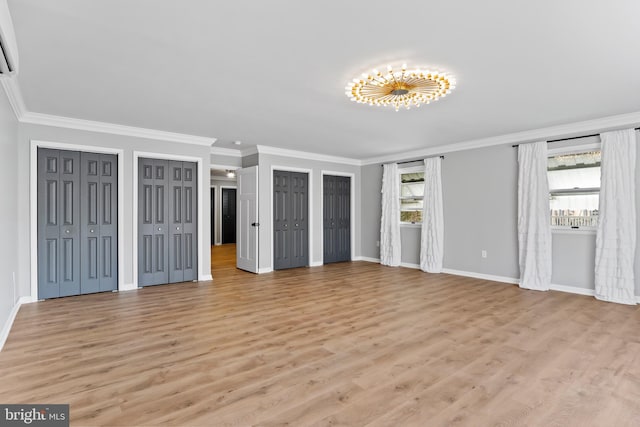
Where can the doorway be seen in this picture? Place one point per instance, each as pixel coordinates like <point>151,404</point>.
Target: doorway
<point>228,215</point>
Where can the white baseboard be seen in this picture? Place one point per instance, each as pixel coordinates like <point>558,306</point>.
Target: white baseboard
<point>12,316</point>
<point>572,290</point>
<point>316,264</point>
<point>265,270</point>
<point>127,287</point>
<point>366,258</point>
<point>409,265</point>
<point>482,276</point>
<point>205,277</point>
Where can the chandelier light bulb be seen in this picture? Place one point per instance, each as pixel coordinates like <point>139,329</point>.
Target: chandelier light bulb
<point>405,88</point>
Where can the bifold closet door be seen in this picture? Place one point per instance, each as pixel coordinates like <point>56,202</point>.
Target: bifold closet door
<point>336,218</point>
<point>290,219</point>
<point>182,222</point>
<point>99,222</point>
<point>167,224</point>
<point>77,223</point>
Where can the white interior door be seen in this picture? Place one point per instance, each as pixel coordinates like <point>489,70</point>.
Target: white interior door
<point>247,219</point>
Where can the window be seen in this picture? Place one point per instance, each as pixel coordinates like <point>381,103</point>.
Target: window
<point>411,195</point>
<point>574,187</point>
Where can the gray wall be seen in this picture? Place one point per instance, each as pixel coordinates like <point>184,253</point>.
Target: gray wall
<point>267,163</point>
<point>234,162</point>
<point>8,212</point>
<point>480,209</point>
<point>30,132</point>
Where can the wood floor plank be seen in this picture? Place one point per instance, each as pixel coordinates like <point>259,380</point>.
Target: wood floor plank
<point>344,344</point>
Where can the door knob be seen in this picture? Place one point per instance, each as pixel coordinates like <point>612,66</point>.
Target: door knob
<point>177,228</point>
<point>255,224</point>
<point>296,225</point>
<point>91,231</point>
<point>67,231</point>
<point>159,229</point>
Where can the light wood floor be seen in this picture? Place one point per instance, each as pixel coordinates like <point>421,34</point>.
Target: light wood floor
<point>346,344</point>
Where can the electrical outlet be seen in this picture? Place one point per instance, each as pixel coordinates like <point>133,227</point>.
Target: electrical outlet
<point>484,253</point>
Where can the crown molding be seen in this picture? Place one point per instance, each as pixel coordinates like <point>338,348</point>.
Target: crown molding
<point>561,131</point>
<point>230,152</point>
<point>264,149</point>
<point>14,95</point>
<point>112,128</point>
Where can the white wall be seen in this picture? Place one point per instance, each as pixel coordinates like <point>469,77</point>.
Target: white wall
<point>267,163</point>
<point>129,145</point>
<point>8,213</point>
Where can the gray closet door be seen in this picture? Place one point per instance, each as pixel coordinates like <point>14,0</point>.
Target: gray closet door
<point>167,210</point>
<point>153,246</point>
<point>336,218</point>
<point>99,219</point>
<point>290,219</point>
<point>77,223</point>
<point>58,223</point>
<point>182,222</point>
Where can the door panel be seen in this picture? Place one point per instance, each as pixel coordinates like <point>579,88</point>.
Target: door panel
<point>76,192</point>
<point>337,218</point>
<point>290,220</point>
<point>167,210</point>
<point>152,227</point>
<point>99,230</point>
<point>247,224</point>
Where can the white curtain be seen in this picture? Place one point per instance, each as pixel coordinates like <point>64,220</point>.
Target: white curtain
<point>534,222</point>
<point>616,235</point>
<point>432,236</point>
<point>390,221</point>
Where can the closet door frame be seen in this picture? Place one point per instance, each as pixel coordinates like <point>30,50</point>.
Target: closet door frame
<point>33,204</point>
<point>352,207</point>
<point>310,195</point>
<point>199,208</point>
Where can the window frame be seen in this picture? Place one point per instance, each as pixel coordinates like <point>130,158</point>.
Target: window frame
<point>411,169</point>
<point>574,149</point>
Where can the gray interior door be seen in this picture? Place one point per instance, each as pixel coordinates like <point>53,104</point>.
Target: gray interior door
<point>77,223</point>
<point>153,250</point>
<point>228,215</point>
<point>167,223</point>
<point>336,218</point>
<point>183,225</point>
<point>58,223</point>
<point>99,222</point>
<point>290,219</point>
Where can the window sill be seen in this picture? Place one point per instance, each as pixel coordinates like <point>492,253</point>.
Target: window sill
<point>566,230</point>
<point>410,225</point>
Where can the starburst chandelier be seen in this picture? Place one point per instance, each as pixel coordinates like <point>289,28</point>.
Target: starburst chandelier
<point>401,88</point>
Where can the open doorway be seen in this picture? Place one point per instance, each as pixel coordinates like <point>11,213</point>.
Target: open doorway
<point>223,217</point>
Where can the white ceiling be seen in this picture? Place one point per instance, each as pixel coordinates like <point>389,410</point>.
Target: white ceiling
<point>273,73</point>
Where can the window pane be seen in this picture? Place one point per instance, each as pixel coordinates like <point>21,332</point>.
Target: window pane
<point>411,216</point>
<point>574,210</point>
<point>574,178</point>
<point>414,189</point>
<point>574,183</point>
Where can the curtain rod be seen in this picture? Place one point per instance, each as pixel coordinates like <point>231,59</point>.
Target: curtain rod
<point>419,160</point>
<point>570,138</point>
